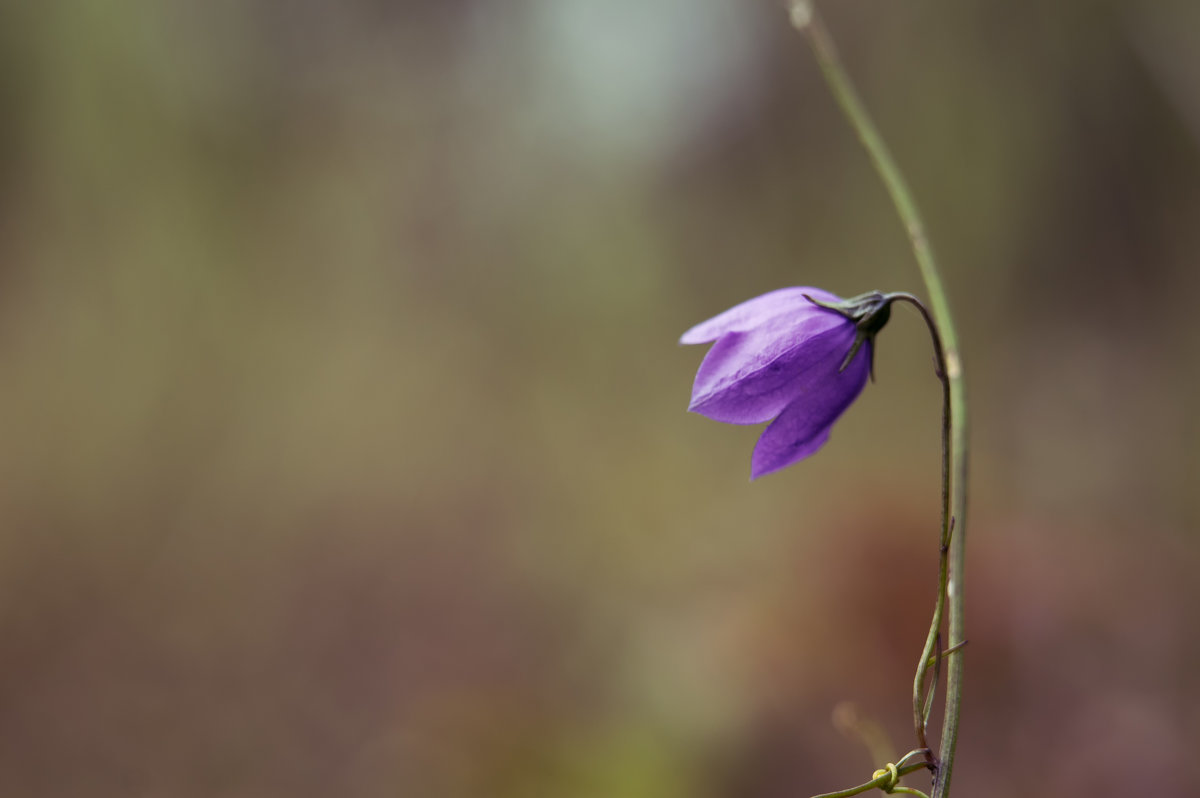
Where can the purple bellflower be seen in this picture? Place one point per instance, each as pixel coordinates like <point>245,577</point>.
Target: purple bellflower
<point>797,357</point>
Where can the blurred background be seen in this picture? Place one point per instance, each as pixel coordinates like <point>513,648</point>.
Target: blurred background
<point>344,444</point>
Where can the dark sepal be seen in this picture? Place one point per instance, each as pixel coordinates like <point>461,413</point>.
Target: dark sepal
<point>869,312</point>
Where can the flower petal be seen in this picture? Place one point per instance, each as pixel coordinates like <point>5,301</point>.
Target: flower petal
<point>752,312</point>
<point>804,426</point>
<point>750,377</point>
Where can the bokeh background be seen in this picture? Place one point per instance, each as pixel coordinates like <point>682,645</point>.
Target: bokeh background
<point>344,447</point>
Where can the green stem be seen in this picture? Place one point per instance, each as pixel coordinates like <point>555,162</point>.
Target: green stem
<point>909,791</point>
<point>954,468</point>
<point>878,781</point>
<point>946,651</point>
<point>922,698</point>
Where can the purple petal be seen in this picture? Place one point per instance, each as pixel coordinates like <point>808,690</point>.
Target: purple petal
<point>804,426</point>
<point>752,312</point>
<point>750,377</point>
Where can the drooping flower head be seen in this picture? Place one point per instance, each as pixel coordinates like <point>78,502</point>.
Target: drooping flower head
<point>797,357</point>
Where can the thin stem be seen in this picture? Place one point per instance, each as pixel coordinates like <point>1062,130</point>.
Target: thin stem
<point>931,693</point>
<point>909,791</point>
<point>922,698</point>
<point>878,781</point>
<point>950,650</point>
<point>911,755</point>
<point>954,427</point>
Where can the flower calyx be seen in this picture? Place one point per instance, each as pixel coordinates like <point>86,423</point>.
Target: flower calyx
<point>869,312</point>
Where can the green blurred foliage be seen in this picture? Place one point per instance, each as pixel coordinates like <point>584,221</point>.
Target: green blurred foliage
<point>345,444</point>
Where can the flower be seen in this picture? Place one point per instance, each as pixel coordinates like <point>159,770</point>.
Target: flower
<point>796,357</point>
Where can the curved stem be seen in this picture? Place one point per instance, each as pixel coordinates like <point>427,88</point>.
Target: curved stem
<point>909,791</point>
<point>878,781</point>
<point>923,699</point>
<point>950,650</point>
<point>903,763</point>
<point>954,476</point>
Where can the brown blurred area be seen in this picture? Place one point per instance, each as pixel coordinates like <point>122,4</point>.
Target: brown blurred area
<point>344,444</point>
